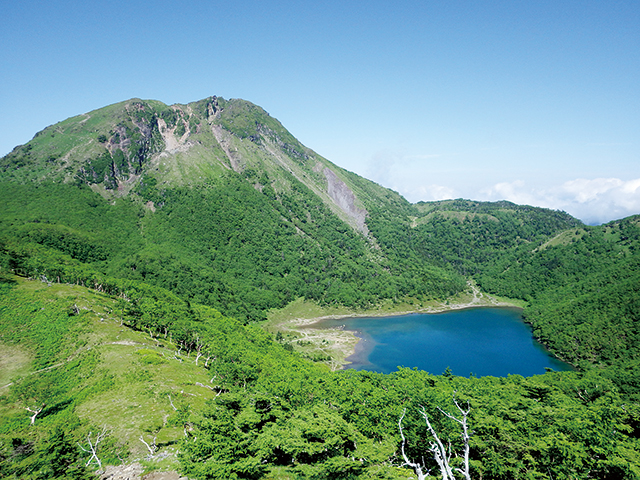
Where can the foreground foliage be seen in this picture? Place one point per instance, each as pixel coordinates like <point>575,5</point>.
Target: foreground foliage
<point>273,413</point>
<point>131,267</point>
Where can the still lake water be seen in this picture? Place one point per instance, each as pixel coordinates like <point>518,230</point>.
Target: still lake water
<point>479,341</point>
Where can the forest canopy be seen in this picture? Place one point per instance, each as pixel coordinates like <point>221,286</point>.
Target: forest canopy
<point>143,245</point>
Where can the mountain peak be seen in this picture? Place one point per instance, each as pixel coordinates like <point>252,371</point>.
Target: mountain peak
<point>124,147</point>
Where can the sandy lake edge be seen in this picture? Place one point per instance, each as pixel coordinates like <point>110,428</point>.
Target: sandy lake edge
<point>339,344</point>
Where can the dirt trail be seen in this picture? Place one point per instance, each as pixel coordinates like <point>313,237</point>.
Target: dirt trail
<point>135,471</point>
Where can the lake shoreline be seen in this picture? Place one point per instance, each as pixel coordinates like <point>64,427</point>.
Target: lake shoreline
<point>477,341</point>
<point>340,344</point>
<point>309,322</point>
<point>364,345</point>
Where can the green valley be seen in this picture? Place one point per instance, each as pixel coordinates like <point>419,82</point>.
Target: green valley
<point>143,248</point>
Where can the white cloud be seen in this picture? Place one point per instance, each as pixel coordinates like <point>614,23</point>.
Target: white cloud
<point>593,201</point>
<point>429,177</point>
<point>383,167</point>
<point>432,192</point>
<point>584,190</point>
<point>516,192</point>
<point>409,174</point>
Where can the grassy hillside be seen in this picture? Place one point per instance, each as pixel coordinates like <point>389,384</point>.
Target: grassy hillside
<point>246,408</point>
<point>139,243</point>
<point>72,356</point>
<point>214,200</point>
<point>217,202</point>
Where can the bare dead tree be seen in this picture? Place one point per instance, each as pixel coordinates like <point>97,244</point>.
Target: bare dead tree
<point>465,432</point>
<point>199,346</point>
<point>441,454</point>
<point>151,447</point>
<point>198,384</point>
<point>35,412</point>
<point>171,402</point>
<point>93,446</point>
<point>416,466</point>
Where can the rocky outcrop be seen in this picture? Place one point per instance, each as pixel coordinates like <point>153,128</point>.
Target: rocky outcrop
<point>172,143</point>
<point>224,140</point>
<point>344,197</point>
<point>135,471</point>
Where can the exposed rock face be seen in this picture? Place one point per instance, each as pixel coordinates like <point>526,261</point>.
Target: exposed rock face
<point>346,200</point>
<point>123,472</point>
<point>134,471</point>
<point>223,138</point>
<point>173,144</point>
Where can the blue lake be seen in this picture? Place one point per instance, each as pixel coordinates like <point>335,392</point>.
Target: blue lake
<point>475,341</point>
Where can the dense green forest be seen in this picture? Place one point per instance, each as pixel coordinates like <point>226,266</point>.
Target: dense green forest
<point>227,246</point>
<point>171,232</point>
<point>272,413</point>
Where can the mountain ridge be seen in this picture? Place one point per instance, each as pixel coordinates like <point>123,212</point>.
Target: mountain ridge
<point>180,144</point>
<point>121,229</point>
<point>242,173</point>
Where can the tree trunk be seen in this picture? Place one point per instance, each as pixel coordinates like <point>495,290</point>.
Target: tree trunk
<point>35,412</point>
<point>441,454</point>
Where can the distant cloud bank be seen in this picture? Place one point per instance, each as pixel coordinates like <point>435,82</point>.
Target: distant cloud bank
<point>417,177</point>
<point>594,201</point>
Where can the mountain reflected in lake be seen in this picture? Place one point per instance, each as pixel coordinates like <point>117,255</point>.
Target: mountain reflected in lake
<point>474,341</point>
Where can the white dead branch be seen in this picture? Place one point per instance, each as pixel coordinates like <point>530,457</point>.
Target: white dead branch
<point>151,447</point>
<point>93,446</point>
<point>416,466</point>
<point>35,412</point>
<point>171,402</point>
<point>441,454</point>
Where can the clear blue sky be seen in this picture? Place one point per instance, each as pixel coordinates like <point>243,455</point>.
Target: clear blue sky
<point>536,102</point>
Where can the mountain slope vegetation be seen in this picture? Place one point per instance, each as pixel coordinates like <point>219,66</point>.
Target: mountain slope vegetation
<point>231,209</point>
<point>141,244</point>
<point>156,369</point>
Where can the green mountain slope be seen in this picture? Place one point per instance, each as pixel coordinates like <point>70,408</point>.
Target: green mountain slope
<point>216,201</point>
<point>89,362</point>
<point>112,148</point>
<point>124,232</point>
<point>86,372</point>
